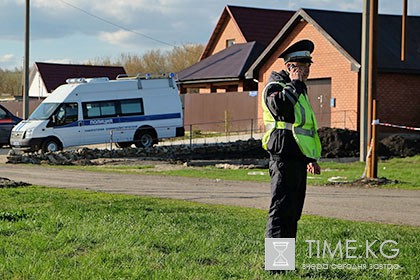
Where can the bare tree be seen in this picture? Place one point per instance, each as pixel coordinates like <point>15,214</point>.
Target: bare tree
<point>184,56</point>
<point>157,62</point>
<point>154,62</point>
<point>11,82</point>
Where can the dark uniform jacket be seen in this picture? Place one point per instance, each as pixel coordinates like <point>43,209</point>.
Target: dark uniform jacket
<point>282,144</point>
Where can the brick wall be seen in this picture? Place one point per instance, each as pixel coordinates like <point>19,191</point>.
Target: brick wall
<point>328,63</point>
<point>398,97</point>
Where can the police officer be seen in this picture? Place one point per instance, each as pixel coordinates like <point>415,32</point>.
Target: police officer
<point>291,139</point>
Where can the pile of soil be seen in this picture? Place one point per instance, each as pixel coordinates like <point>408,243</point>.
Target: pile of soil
<point>398,146</point>
<point>338,143</point>
<point>366,182</point>
<point>7,183</point>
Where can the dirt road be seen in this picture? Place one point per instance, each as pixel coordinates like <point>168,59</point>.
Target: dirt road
<point>358,204</point>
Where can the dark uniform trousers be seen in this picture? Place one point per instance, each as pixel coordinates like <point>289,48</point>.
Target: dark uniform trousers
<point>288,188</point>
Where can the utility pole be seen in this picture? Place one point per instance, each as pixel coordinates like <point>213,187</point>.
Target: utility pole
<point>371,10</point>
<point>26,65</point>
<point>364,82</point>
<point>372,170</point>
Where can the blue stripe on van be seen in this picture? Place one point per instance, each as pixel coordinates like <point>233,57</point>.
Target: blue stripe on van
<point>150,117</point>
<point>131,119</point>
<point>103,121</point>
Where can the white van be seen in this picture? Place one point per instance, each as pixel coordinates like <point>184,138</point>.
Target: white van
<point>126,111</point>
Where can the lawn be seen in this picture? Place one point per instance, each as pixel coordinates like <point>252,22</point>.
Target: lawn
<point>400,170</point>
<point>48,233</point>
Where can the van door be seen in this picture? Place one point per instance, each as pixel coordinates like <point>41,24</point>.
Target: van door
<point>65,125</point>
<point>99,119</point>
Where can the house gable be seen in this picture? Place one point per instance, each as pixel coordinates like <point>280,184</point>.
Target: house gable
<point>230,31</point>
<point>343,30</point>
<point>244,25</point>
<point>331,64</point>
<point>215,42</point>
<point>300,15</point>
<point>37,87</point>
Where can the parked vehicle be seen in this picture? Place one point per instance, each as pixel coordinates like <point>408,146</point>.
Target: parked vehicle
<point>7,122</point>
<point>126,111</point>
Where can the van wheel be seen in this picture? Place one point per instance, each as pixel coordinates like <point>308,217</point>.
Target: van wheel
<point>51,145</point>
<point>123,145</point>
<point>145,139</point>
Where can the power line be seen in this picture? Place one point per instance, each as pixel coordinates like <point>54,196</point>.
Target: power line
<point>117,25</point>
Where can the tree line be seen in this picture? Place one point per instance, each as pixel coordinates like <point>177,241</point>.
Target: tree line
<point>11,82</point>
<point>153,61</point>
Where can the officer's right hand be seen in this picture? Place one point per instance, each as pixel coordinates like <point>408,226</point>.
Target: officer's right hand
<point>296,74</point>
<point>313,168</point>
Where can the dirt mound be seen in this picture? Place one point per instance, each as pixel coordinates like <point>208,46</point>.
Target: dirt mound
<point>338,142</point>
<point>365,182</point>
<point>398,146</point>
<point>7,183</point>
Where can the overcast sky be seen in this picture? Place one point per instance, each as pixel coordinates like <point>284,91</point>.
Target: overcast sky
<point>74,31</point>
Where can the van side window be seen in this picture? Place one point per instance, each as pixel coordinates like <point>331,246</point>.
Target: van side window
<point>66,113</point>
<point>99,109</point>
<point>108,108</point>
<point>113,108</point>
<point>131,107</point>
<point>72,113</point>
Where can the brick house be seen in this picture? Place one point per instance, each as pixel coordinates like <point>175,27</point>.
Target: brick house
<point>334,85</point>
<point>335,75</point>
<point>240,35</point>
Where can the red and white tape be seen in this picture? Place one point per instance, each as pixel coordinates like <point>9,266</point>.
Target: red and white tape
<point>377,122</point>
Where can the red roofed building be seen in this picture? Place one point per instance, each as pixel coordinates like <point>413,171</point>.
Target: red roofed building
<point>240,35</point>
<point>234,62</point>
<point>46,77</point>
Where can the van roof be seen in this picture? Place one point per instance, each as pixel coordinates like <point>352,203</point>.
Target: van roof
<point>96,85</point>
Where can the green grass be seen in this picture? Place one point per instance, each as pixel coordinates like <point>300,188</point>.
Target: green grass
<point>70,234</point>
<point>403,170</point>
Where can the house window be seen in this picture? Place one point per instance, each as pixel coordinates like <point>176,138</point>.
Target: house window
<point>230,42</point>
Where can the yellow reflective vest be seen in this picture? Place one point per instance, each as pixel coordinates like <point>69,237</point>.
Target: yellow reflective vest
<point>304,128</point>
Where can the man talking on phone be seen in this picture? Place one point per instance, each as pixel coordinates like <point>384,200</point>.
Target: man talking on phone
<point>291,139</point>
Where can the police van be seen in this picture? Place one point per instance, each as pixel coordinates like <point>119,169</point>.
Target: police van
<point>85,111</point>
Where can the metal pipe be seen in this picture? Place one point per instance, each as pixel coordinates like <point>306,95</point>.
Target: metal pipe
<point>374,157</point>
<point>404,30</point>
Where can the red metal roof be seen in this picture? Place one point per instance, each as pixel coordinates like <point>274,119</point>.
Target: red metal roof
<point>54,74</point>
<point>230,63</point>
<point>260,25</point>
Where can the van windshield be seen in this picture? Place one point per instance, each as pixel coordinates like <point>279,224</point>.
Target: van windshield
<point>44,111</point>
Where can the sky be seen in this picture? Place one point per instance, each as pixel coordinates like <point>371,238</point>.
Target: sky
<point>77,31</point>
